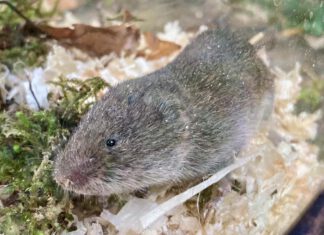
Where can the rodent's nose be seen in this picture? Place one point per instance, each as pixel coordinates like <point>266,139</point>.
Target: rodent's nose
<point>77,178</point>
<point>74,179</point>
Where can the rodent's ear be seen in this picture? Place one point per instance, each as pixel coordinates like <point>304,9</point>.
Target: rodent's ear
<point>169,109</point>
<point>165,103</point>
<point>130,99</point>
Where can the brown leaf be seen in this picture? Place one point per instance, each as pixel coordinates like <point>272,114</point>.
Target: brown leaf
<point>157,48</point>
<point>96,41</point>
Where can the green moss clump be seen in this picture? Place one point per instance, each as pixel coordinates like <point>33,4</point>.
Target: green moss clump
<point>305,14</point>
<point>28,144</point>
<point>26,141</point>
<point>32,53</point>
<point>77,97</point>
<point>10,18</point>
<point>311,97</point>
<point>15,41</point>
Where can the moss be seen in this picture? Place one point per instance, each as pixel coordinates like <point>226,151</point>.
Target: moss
<point>31,53</point>
<point>28,143</point>
<point>15,41</point>
<point>25,166</point>
<point>10,18</point>
<point>305,14</point>
<point>311,97</point>
<point>77,97</point>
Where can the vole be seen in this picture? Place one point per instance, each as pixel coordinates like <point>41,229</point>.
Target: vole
<point>184,121</point>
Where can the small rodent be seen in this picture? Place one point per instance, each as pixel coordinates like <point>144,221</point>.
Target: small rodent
<point>181,122</point>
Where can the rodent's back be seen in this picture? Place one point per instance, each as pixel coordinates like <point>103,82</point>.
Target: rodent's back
<point>226,89</point>
<point>214,95</point>
<point>217,56</point>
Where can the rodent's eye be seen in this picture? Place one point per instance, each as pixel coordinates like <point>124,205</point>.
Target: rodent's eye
<point>110,143</point>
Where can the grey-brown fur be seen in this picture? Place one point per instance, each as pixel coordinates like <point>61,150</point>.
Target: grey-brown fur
<point>181,122</point>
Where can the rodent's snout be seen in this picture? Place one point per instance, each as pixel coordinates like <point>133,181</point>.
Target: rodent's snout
<point>75,179</point>
<point>71,176</point>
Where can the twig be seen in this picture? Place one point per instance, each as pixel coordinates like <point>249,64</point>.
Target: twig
<point>33,94</point>
<point>13,8</point>
<point>198,208</point>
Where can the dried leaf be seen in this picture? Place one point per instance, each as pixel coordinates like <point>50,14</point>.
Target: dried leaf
<point>96,41</point>
<point>157,48</point>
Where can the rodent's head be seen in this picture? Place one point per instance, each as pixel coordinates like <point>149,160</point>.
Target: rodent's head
<point>123,143</point>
